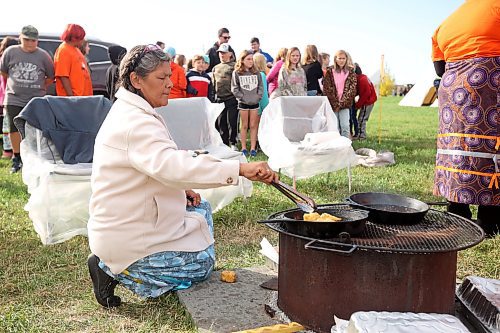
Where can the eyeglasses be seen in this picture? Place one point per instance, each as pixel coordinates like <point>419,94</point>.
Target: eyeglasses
<point>226,37</point>
<point>147,49</point>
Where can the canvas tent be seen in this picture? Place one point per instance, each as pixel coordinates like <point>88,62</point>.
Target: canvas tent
<point>423,93</point>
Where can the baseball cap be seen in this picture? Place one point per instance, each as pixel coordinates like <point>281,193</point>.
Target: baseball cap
<point>224,48</point>
<point>170,51</point>
<point>29,32</point>
<point>206,59</point>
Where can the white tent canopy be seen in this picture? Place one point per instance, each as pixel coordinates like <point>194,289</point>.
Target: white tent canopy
<point>423,93</point>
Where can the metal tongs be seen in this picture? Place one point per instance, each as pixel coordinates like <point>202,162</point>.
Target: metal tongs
<point>302,201</point>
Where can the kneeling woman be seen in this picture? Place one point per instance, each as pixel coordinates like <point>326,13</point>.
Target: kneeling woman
<point>147,229</point>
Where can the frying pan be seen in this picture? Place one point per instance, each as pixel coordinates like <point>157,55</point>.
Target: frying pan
<point>387,208</point>
<point>353,222</point>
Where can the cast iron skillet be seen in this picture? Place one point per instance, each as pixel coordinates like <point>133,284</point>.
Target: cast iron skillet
<point>353,222</point>
<point>387,208</point>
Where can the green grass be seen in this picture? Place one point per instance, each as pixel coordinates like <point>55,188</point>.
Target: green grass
<point>47,288</point>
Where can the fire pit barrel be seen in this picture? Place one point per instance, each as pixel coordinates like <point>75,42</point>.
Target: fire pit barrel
<point>365,280</point>
<point>403,268</point>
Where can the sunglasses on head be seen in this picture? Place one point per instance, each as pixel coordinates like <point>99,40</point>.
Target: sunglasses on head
<point>147,49</point>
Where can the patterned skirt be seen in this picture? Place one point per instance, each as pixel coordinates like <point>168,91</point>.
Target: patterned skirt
<point>161,272</point>
<point>468,157</point>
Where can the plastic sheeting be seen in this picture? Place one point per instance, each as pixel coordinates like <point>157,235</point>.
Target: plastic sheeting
<point>399,322</point>
<point>370,158</point>
<point>59,193</point>
<point>300,136</point>
<point>191,122</point>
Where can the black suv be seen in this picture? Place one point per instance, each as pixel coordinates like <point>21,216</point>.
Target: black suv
<point>98,58</point>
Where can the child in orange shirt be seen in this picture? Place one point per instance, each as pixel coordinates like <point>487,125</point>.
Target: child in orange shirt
<point>178,77</point>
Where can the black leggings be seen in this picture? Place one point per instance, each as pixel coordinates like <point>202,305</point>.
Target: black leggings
<point>227,122</point>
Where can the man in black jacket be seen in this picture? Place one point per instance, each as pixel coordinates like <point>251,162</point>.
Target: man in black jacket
<point>212,52</point>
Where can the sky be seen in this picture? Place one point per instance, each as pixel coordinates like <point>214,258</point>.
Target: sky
<point>401,30</point>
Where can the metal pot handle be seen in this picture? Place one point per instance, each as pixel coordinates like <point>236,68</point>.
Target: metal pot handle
<point>310,245</point>
<point>349,202</point>
<point>438,203</point>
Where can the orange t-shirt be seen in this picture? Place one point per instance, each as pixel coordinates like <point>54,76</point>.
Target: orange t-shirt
<point>472,31</point>
<point>70,62</point>
<point>179,81</point>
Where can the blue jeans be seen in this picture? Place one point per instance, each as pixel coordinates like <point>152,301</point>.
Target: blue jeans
<point>312,93</point>
<point>343,122</point>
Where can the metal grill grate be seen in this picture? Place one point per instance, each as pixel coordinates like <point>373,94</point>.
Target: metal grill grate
<point>438,232</point>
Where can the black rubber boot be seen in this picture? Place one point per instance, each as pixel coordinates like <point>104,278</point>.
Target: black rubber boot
<point>104,285</point>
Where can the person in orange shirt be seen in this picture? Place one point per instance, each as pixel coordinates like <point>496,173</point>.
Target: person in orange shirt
<point>178,77</point>
<point>466,54</point>
<point>72,72</point>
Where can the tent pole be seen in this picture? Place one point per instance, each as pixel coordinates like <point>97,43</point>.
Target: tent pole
<point>382,75</point>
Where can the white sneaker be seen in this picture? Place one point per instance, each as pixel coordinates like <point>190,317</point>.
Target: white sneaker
<point>233,147</point>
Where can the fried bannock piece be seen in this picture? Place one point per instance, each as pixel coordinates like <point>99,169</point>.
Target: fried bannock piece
<point>325,217</point>
<point>311,216</point>
<point>228,276</point>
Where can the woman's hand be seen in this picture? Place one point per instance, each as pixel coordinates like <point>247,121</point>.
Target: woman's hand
<point>258,171</point>
<point>193,198</point>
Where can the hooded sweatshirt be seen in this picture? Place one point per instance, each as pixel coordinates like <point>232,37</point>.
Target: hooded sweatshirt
<point>366,91</point>
<point>116,53</point>
<point>247,87</point>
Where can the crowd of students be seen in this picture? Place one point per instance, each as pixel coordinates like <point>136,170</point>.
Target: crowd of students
<point>245,83</point>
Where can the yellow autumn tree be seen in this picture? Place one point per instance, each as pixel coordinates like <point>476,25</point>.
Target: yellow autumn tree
<point>387,83</point>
